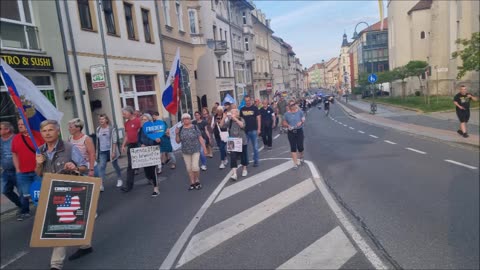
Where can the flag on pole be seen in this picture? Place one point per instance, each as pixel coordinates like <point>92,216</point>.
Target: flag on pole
<point>380,7</point>
<point>33,107</point>
<point>228,98</point>
<point>171,94</point>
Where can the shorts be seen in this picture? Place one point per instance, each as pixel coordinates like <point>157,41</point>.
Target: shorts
<point>295,138</point>
<point>191,161</point>
<point>463,115</point>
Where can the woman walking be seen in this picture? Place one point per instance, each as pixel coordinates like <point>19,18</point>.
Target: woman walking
<point>293,121</point>
<point>191,139</point>
<point>217,128</point>
<point>107,148</point>
<point>167,151</point>
<point>235,126</point>
<point>207,117</point>
<point>202,126</point>
<point>143,140</point>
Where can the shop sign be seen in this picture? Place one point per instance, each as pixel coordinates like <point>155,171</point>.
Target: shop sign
<point>98,76</point>
<point>225,84</point>
<point>20,61</point>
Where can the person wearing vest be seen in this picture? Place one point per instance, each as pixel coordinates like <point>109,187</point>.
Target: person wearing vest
<point>57,156</point>
<point>107,148</point>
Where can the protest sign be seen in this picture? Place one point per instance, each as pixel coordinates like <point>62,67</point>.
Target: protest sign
<point>145,156</point>
<point>154,130</point>
<point>234,144</point>
<point>66,211</point>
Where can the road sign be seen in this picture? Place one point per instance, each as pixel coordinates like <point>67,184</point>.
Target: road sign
<point>441,70</point>
<point>372,78</point>
<point>98,76</point>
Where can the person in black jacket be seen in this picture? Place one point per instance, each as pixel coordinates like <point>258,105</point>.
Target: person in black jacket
<point>143,140</point>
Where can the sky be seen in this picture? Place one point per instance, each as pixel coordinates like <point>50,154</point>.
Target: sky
<point>315,28</point>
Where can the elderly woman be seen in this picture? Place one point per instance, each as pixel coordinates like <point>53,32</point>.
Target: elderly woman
<point>293,121</point>
<point>191,139</point>
<point>143,140</point>
<point>85,144</point>
<point>235,126</point>
<point>217,128</point>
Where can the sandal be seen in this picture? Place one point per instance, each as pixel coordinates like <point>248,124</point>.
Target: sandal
<point>173,166</point>
<point>198,186</point>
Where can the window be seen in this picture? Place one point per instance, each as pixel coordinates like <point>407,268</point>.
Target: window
<point>214,32</point>
<point>229,70</point>
<point>226,36</point>
<point>422,35</point>
<point>221,38</point>
<point>192,17</point>
<point>146,25</point>
<point>16,26</point>
<point>219,68</point>
<point>166,11</point>
<point>224,69</point>
<point>138,91</point>
<point>178,10</point>
<point>244,16</point>
<point>246,45</point>
<point>109,13</point>
<point>85,14</point>
<point>130,20</point>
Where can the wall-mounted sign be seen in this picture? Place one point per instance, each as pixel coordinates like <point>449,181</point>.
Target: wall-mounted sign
<point>98,76</point>
<point>225,84</point>
<point>269,86</point>
<point>20,61</point>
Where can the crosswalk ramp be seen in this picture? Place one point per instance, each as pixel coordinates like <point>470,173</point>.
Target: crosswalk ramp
<point>273,219</point>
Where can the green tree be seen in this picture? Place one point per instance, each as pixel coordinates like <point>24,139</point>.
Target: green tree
<point>417,68</point>
<point>402,73</point>
<point>387,77</point>
<point>470,55</point>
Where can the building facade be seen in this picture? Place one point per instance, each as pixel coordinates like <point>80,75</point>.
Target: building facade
<point>262,75</point>
<point>344,65</point>
<point>277,65</point>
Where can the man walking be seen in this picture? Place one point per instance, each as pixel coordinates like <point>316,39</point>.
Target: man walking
<point>23,154</point>
<point>57,156</point>
<point>252,118</point>
<point>132,126</point>
<point>462,106</point>
<point>9,179</point>
<point>268,124</point>
<point>282,109</point>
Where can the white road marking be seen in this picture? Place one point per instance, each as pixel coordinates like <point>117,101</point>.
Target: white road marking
<point>329,252</point>
<point>373,136</point>
<point>390,142</point>
<point>16,257</point>
<point>352,231</point>
<point>415,150</point>
<point>340,123</point>
<point>361,132</point>
<point>345,125</point>
<point>173,254</point>
<point>351,128</point>
<point>461,164</point>
<point>253,180</point>
<point>276,136</point>
<point>225,230</point>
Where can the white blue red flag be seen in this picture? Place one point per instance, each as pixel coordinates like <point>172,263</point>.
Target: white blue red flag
<point>171,94</point>
<point>66,211</point>
<point>31,103</point>
<point>228,98</point>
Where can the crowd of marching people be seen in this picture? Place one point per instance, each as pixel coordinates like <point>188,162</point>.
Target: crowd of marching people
<point>199,134</point>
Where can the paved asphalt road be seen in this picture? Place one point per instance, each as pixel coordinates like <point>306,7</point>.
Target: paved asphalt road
<point>410,206</point>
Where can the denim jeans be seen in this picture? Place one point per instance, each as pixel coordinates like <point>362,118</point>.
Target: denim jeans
<point>203,158</point>
<point>252,137</point>
<point>9,181</point>
<point>104,156</point>
<point>223,149</point>
<point>24,181</point>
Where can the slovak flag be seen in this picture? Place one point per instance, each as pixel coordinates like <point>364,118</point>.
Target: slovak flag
<point>66,211</point>
<point>31,103</point>
<point>171,94</point>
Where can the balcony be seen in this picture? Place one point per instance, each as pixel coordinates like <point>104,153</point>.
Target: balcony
<point>220,47</point>
<point>19,36</point>
<point>248,30</point>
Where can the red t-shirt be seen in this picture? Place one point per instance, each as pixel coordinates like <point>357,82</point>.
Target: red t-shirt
<point>26,158</point>
<point>131,129</point>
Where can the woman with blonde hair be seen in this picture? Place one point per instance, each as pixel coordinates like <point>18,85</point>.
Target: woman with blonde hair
<point>107,147</point>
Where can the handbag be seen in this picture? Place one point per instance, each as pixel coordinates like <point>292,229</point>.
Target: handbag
<point>223,134</point>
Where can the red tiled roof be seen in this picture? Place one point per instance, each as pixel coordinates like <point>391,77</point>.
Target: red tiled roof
<point>421,5</point>
<point>376,26</point>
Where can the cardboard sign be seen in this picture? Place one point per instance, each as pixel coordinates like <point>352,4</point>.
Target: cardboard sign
<point>145,156</point>
<point>66,211</point>
<point>175,145</point>
<point>234,144</point>
<point>154,130</point>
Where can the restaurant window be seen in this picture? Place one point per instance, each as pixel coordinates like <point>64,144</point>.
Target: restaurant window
<point>16,23</point>
<point>130,20</point>
<point>192,17</point>
<point>178,10</point>
<point>138,91</point>
<point>110,16</point>
<point>147,30</point>
<point>166,11</point>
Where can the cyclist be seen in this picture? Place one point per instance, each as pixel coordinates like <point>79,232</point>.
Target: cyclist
<point>326,104</point>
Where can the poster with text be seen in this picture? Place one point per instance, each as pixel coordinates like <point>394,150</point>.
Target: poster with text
<point>145,156</point>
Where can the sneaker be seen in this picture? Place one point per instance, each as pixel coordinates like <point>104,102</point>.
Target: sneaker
<point>295,167</point>
<point>119,183</point>
<point>20,217</point>
<point>102,188</point>
<point>255,164</point>
<point>80,253</point>
<point>460,132</point>
<point>225,162</point>
<point>203,167</point>
<point>155,194</point>
<point>198,186</point>
<point>465,135</point>
<point>191,187</point>
<point>234,177</point>
<point>222,165</point>
<point>244,173</point>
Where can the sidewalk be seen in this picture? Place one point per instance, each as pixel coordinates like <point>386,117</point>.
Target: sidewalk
<point>413,122</point>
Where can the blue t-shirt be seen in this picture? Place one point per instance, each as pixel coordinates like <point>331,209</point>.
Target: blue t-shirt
<point>293,118</point>
<point>6,151</point>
